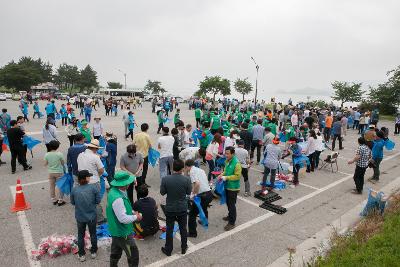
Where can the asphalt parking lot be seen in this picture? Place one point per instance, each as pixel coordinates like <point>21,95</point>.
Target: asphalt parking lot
<point>259,238</point>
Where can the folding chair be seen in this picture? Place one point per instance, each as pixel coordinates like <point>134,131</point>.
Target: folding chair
<point>331,160</point>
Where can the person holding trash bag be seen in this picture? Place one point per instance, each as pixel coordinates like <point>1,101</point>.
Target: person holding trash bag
<point>54,161</point>
<point>200,188</point>
<point>120,220</point>
<point>231,174</point>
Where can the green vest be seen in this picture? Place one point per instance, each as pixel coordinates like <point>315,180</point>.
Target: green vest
<point>216,123</point>
<point>176,118</point>
<point>114,226</point>
<point>197,113</point>
<point>233,185</point>
<point>160,117</point>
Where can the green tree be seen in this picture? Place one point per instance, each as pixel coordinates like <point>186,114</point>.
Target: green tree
<point>345,92</point>
<point>243,86</point>
<point>215,85</point>
<point>87,78</point>
<point>114,85</point>
<point>18,76</point>
<point>386,96</point>
<point>44,69</point>
<point>67,77</point>
<point>154,87</point>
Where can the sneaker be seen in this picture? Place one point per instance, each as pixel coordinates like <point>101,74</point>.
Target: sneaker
<point>148,186</point>
<point>28,168</point>
<point>226,218</point>
<point>93,255</point>
<point>61,203</point>
<point>356,192</point>
<point>229,227</point>
<point>247,194</point>
<point>82,258</point>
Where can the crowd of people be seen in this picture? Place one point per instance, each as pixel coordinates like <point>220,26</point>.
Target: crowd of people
<point>229,137</point>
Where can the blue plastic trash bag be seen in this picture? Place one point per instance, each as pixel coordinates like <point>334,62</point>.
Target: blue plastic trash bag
<point>5,141</point>
<point>79,124</point>
<point>164,235</point>
<point>302,145</point>
<point>102,184</point>
<point>220,189</point>
<point>65,183</point>
<point>102,231</point>
<point>194,137</point>
<point>58,116</point>
<point>30,142</point>
<point>389,144</point>
<point>220,161</point>
<point>302,161</point>
<point>203,218</point>
<point>167,120</point>
<point>282,137</point>
<point>374,202</point>
<point>102,143</point>
<point>154,155</point>
<point>114,109</point>
<point>40,115</point>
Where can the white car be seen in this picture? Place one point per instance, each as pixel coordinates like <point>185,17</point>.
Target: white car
<point>8,95</point>
<point>179,99</point>
<point>3,97</point>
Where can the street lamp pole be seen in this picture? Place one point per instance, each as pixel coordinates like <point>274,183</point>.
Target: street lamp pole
<point>257,67</point>
<point>124,76</point>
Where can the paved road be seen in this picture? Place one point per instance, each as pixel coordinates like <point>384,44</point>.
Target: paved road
<point>259,238</point>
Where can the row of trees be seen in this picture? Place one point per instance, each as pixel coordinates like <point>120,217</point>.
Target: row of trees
<point>385,96</point>
<point>216,85</point>
<point>27,72</point>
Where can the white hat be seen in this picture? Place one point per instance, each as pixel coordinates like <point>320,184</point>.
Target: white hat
<point>94,144</point>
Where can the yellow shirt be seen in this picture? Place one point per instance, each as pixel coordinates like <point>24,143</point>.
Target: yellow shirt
<point>142,142</point>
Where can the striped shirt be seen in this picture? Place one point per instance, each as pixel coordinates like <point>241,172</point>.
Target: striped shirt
<point>365,154</point>
<point>258,132</point>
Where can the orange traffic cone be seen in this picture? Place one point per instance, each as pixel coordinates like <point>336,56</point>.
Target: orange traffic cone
<point>20,203</point>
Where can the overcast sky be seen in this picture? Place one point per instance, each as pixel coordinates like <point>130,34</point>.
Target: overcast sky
<point>301,46</point>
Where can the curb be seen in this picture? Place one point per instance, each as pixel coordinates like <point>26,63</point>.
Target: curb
<point>320,241</point>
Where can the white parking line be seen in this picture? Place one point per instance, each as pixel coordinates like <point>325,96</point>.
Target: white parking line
<point>309,186</point>
<point>26,233</point>
<point>250,223</point>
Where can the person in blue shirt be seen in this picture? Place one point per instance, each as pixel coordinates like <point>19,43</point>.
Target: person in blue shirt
<point>131,125</point>
<point>64,115</point>
<point>73,153</point>
<point>337,133</point>
<point>377,155</point>
<point>357,116</point>
<point>24,109</point>
<point>36,110</point>
<point>111,159</point>
<point>88,112</point>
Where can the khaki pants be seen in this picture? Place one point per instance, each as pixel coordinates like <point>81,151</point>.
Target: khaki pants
<point>53,177</point>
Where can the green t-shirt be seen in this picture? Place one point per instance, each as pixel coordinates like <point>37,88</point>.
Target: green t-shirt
<point>197,113</point>
<point>54,160</point>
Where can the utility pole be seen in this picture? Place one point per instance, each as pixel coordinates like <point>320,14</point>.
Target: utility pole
<point>257,67</point>
<point>124,73</point>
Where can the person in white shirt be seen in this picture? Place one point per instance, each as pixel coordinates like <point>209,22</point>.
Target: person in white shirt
<point>187,140</point>
<point>231,139</point>
<point>319,148</point>
<point>294,120</point>
<point>212,153</point>
<point>125,119</point>
<point>49,132</point>
<point>165,144</point>
<point>200,188</point>
<point>97,128</point>
<point>244,158</point>
<point>89,160</point>
<point>312,145</point>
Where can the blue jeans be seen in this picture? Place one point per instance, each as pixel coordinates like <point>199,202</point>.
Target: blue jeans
<point>166,166</point>
<point>81,235</point>
<point>88,117</point>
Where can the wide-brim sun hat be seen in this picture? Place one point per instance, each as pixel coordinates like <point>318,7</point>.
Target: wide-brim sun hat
<point>94,144</point>
<point>122,178</point>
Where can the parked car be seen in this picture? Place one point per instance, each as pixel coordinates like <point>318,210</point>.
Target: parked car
<point>45,96</point>
<point>62,96</point>
<point>8,95</point>
<point>179,99</point>
<point>3,97</point>
<point>16,97</point>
